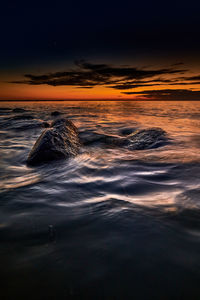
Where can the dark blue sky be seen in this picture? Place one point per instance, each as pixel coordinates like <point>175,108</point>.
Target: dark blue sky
<point>33,30</point>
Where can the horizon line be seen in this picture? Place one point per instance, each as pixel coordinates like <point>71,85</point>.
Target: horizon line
<point>66,100</point>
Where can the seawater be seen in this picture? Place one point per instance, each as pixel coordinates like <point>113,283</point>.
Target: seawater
<point>110,223</point>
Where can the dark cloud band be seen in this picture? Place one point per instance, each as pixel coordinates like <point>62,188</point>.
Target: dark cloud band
<point>89,75</point>
<point>176,94</point>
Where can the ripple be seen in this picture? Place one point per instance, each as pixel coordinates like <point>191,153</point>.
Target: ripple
<point>17,182</point>
<point>111,217</point>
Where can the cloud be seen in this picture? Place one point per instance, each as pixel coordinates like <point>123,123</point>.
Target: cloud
<point>192,78</point>
<point>176,94</point>
<point>144,83</point>
<point>88,75</point>
<point>127,86</point>
<point>178,64</point>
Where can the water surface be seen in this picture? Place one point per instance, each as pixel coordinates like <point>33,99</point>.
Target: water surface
<point>110,223</point>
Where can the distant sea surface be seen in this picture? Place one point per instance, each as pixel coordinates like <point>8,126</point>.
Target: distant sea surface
<point>111,223</point>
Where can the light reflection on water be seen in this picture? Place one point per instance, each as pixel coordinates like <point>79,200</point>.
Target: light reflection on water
<point>110,223</point>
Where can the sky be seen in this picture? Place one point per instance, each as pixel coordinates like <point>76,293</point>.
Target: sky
<point>99,50</point>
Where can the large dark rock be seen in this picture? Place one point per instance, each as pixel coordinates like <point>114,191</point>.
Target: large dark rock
<point>58,142</point>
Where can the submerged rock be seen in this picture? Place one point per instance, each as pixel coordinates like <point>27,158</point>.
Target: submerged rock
<point>58,142</point>
<point>55,113</point>
<point>146,139</point>
<point>18,110</point>
<point>94,138</point>
<point>138,140</point>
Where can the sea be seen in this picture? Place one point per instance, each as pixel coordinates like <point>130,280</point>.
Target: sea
<point>110,223</point>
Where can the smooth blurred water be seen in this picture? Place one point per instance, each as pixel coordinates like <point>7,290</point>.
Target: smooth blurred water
<point>110,223</point>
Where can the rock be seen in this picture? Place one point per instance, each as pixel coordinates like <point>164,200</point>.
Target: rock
<point>137,140</point>
<point>146,139</point>
<point>127,130</point>
<point>55,113</point>
<point>95,138</point>
<point>58,142</point>
<point>18,110</point>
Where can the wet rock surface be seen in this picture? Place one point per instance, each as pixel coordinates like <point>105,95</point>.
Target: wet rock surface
<point>138,140</point>
<point>127,130</point>
<point>146,139</point>
<point>58,142</point>
<point>94,138</point>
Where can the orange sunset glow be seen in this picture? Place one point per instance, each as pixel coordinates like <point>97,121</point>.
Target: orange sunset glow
<point>88,81</point>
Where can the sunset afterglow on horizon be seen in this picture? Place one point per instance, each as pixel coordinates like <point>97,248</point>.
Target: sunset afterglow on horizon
<point>88,81</point>
<point>119,52</point>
